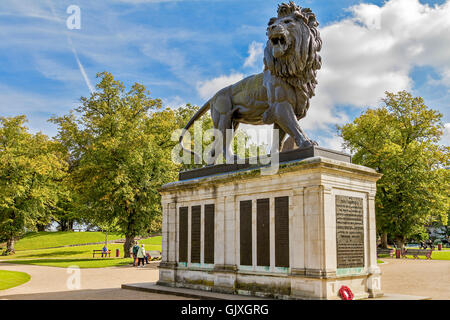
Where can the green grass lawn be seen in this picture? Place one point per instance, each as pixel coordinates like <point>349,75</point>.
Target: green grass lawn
<point>436,255</point>
<point>41,240</point>
<point>151,241</point>
<point>80,255</point>
<point>79,252</point>
<point>440,255</point>
<point>81,263</point>
<point>10,279</point>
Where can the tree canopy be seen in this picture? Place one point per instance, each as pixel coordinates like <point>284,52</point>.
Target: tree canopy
<point>120,149</point>
<point>401,140</point>
<point>31,168</point>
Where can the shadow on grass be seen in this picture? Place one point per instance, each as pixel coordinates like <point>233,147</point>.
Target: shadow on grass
<point>81,263</point>
<point>53,254</point>
<point>94,294</point>
<point>32,235</point>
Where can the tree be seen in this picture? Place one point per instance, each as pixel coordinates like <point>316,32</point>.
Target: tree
<point>120,149</point>
<point>401,140</point>
<point>65,212</point>
<point>30,170</point>
<point>199,130</point>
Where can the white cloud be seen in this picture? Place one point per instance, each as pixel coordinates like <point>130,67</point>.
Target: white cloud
<point>255,54</point>
<point>75,53</point>
<point>207,89</point>
<point>445,140</point>
<point>27,8</point>
<point>54,70</point>
<point>322,113</point>
<point>146,1</point>
<point>108,44</point>
<point>174,102</point>
<point>37,107</point>
<point>374,51</point>
<point>173,58</point>
<point>333,142</point>
<point>444,79</point>
<point>365,55</point>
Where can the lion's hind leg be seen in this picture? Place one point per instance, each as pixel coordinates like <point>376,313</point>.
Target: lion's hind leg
<point>222,116</point>
<point>278,138</point>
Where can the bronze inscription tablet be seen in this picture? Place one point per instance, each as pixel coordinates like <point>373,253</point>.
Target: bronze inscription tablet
<point>349,232</point>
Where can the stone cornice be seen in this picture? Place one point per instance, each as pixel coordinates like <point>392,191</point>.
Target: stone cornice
<point>318,164</point>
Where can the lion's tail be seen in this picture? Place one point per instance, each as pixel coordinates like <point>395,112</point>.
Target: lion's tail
<point>197,115</point>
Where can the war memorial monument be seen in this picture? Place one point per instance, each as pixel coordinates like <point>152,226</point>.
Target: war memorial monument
<point>302,232</point>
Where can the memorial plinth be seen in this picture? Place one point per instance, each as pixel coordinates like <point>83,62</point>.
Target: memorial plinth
<point>299,234</point>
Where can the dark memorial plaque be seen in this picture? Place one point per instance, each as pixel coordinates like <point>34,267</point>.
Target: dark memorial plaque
<point>246,232</point>
<point>183,233</point>
<point>195,234</point>
<point>208,248</point>
<point>262,232</point>
<point>282,232</point>
<point>349,232</point>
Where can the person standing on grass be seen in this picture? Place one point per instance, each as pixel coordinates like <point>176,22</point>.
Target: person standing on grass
<point>135,252</point>
<point>141,256</point>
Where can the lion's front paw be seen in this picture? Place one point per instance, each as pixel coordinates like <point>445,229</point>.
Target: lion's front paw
<point>308,143</point>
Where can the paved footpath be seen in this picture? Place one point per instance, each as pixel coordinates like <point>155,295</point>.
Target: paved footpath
<point>417,277</point>
<point>400,276</point>
<point>96,283</point>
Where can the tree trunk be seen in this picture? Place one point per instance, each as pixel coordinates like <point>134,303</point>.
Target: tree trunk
<point>400,242</point>
<point>129,240</point>
<point>40,227</point>
<point>63,225</point>
<point>70,228</point>
<point>10,246</point>
<point>384,240</point>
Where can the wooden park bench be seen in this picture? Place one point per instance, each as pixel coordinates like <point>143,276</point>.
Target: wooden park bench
<point>101,252</point>
<point>417,252</point>
<point>388,251</point>
<point>155,254</point>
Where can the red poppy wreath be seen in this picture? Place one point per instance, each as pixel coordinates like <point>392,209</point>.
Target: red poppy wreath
<point>346,293</point>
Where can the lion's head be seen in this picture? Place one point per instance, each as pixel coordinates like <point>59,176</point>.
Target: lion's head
<point>293,45</point>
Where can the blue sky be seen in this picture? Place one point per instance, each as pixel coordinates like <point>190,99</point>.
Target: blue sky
<point>184,51</point>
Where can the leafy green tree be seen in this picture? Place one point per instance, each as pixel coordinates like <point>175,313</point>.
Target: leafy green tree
<point>401,140</point>
<point>65,212</point>
<point>183,115</point>
<point>31,168</point>
<point>120,147</point>
<point>200,128</point>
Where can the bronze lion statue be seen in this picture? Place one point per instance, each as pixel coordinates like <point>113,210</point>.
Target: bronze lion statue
<point>280,95</point>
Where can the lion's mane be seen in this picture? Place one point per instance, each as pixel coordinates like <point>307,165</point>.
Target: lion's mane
<point>299,66</point>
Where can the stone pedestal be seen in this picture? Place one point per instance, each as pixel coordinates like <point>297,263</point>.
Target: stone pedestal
<point>299,234</point>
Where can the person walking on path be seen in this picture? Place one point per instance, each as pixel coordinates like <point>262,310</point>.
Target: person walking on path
<point>141,256</point>
<point>135,252</point>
